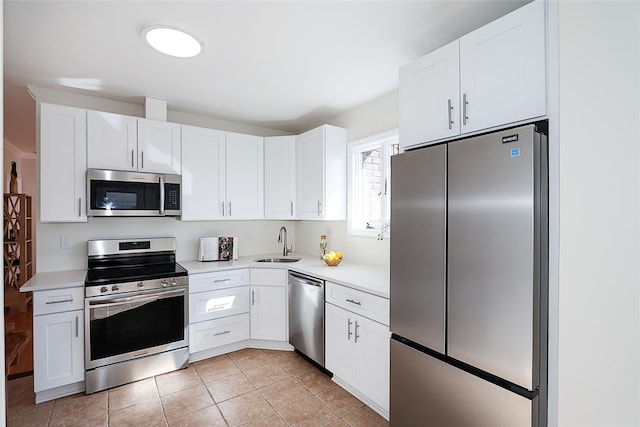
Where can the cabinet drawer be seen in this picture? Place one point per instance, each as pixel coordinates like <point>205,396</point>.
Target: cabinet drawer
<point>215,333</point>
<point>219,303</point>
<point>269,276</point>
<point>58,300</point>
<point>371,306</point>
<point>218,280</point>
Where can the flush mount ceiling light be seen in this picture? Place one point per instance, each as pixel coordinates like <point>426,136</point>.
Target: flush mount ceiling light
<point>172,40</point>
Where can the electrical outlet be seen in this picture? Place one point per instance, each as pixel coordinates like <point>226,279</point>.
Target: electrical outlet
<point>66,242</point>
<point>248,234</point>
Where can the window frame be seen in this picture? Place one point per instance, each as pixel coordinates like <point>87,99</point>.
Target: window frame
<point>385,141</point>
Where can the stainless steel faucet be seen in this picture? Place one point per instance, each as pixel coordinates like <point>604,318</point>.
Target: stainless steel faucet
<point>285,250</point>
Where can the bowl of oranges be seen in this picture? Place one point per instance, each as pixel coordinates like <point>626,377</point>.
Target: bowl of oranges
<point>332,258</point>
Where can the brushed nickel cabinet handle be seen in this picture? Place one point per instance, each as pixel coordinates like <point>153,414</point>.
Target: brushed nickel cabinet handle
<point>132,153</point>
<point>349,333</point>
<point>291,207</point>
<point>464,109</point>
<point>221,333</point>
<point>79,206</point>
<point>449,110</point>
<point>142,159</point>
<point>357,336</point>
<point>76,326</point>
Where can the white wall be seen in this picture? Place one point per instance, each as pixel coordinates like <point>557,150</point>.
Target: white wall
<point>599,299</point>
<point>373,117</point>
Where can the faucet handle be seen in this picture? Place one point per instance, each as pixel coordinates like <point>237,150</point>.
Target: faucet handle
<point>289,249</point>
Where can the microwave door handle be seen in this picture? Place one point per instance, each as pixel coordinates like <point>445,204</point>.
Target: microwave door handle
<point>162,179</point>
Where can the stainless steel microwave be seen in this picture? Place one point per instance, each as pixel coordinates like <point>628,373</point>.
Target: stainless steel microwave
<point>121,193</point>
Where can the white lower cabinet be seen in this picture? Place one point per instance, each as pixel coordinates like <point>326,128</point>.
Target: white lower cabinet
<point>269,304</point>
<point>58,343</point>
<point>215,333</point>
<point>357,353</point>
<point>218,309</point>
<point>268,313</point>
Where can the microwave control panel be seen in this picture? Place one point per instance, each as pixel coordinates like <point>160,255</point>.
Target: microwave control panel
<point>172,197</point>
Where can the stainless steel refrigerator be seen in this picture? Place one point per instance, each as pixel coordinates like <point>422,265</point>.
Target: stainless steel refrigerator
<point>469,255</point>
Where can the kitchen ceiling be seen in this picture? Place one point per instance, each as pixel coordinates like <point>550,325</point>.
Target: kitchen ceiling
<point>281,65</point>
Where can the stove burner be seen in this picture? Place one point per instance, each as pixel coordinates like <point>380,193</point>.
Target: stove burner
<point>118,266</point>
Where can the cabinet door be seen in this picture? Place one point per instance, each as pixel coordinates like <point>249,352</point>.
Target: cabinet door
<point>112,141</point>
<point>502,70</point>
<point>279,177</point>
<point>245,176</point>
<point>63,163</point>
<point>310,173</point>
<point>340,356</point>
<point>372,370</point>
<point>58,349</point>
<point>159,147</point>
<point>268,313</point>
<point>428,97</point>
<point>203,174</point>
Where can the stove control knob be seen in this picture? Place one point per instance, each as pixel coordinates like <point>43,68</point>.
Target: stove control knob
<point>141,284</point>
<point>103,289</point>
<point>173,282</point>
<point>115,288</point>
<point>164,283</point>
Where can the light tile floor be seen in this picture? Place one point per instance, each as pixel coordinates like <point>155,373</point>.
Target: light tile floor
<point>247,387</point>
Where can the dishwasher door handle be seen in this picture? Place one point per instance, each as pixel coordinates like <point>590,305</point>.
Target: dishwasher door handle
<point>305,281</point>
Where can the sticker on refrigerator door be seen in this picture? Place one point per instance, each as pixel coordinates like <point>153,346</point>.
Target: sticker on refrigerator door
<point>515,152</point>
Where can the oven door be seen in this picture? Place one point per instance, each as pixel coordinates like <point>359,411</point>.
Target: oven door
<point>127,326</point>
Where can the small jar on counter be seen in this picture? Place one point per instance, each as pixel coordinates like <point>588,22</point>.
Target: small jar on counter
<point>323,246</point>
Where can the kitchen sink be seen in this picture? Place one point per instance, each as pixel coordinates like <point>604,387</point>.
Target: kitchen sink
<point>277,260</point>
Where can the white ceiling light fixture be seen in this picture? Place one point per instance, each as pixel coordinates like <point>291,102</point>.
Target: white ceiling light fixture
<point>172,40</point>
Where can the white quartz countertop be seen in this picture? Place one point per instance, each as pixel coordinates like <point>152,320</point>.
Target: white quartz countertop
<point>367,278</point>
<point>55,280</point>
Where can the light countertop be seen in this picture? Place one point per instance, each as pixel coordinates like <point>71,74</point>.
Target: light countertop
<point>367,278</point>
<point>55,280</point>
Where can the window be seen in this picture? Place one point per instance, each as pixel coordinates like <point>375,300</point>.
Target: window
<point>369,176</point>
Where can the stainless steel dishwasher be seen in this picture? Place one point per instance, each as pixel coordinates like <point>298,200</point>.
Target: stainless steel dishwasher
<point>306,315</point>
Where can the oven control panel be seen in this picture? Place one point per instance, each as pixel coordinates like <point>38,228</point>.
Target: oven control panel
<point>122,288</point>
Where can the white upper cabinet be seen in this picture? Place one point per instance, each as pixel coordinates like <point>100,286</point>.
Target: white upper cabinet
<point>222,175</point>
<point>112,141</point>
<point>203,173</point>
<point>280,177</point>
<point>116,141</point>
<point>321,163</point>
<point>159,147</point>
<point>502,70</point>
<point>429,93</point>
<point>63,163</point>
<point>491,77</point>
<point>245,176</point>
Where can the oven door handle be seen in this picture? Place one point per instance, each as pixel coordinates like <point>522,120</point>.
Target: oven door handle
<point>138,298</point>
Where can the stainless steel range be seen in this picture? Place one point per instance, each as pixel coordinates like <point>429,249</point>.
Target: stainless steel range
<point>136,311</point>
